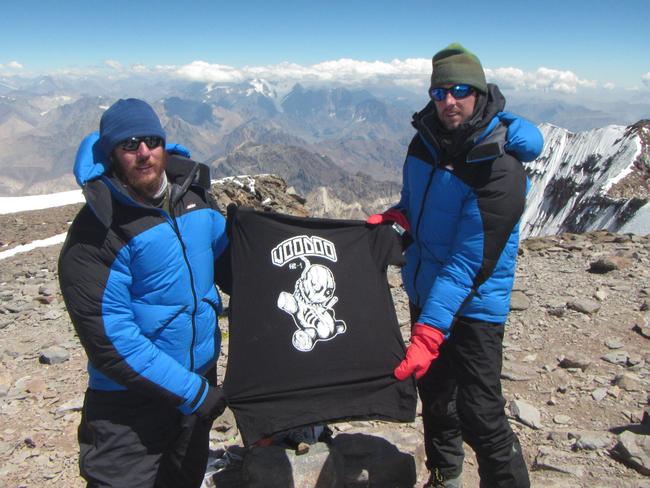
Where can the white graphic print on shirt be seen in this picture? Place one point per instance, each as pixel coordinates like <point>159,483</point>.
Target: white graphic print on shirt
<point>311,304</point>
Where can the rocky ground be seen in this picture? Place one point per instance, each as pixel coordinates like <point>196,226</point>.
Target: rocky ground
<point>576,372</point>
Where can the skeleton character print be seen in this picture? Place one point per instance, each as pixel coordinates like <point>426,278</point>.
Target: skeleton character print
<point>312,301</point>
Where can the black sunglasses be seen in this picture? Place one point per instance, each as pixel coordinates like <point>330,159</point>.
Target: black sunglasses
<point>133,143</point>
<point>457,91</point>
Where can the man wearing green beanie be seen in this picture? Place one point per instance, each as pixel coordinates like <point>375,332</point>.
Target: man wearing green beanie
<point>463,193</point>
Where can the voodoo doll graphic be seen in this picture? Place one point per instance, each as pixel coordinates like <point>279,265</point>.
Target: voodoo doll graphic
<point>311,306</point>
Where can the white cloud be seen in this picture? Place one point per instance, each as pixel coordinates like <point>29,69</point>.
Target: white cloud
<point>11,68</point>
<point>646,79</point>
<point>544,79</point>
<point>609,86</point>
<point>165,68</point>
<point>411,73</point>
<point>203,71</point>
<point>113,64</point>
<point>348,71</point>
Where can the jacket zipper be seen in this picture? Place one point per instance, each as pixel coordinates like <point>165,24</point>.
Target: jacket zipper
<point>417,230</point>
<point>189,268</point>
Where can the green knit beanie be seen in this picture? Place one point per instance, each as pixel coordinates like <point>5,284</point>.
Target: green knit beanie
<point>456,65</point>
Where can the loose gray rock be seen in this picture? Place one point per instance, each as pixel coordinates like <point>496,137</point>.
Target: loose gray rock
<point>517,372</point>
<point>54,355</point>
<point>556,311</point>
<point>74,405</point>
<point>46,290</point>
<point>52,315</point>
<point>16,307</point>
<point>634,450</point>
<point>562,419</point>
<point>584,305</point>
<point>592,440</point>
<point>635,360</point>
<point>609,263</point>
<point>578,362</point>
<point>519,301</point>
<point>6,296</point>
<point>614,343</point>
<point>628,382</point>
<point>526,414</point>
<point>616,357</point>
<point>599,393</point>
<point>601,295</point>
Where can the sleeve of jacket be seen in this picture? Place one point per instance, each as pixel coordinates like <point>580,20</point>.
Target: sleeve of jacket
<point>525,141</point>
<point>95,285</point>
<point>489,216</point>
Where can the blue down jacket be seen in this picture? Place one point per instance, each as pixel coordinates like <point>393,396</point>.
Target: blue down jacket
<point>463,194</point>
<point>139,282</point>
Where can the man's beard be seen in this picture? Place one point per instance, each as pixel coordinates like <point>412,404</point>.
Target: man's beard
<point>143,189</point>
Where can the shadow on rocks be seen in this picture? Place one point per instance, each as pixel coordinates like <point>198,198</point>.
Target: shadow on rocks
<point>276,466</point>
<point>349,461</point>
<point>373,461</point>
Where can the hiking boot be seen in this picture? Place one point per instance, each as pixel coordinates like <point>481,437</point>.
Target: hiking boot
<point>437,480</point>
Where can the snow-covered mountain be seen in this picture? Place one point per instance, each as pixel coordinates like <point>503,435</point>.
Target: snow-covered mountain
<point>599,179</point>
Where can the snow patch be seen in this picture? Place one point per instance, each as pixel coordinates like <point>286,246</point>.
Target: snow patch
<point>10,205</point>
<point>50,241</point>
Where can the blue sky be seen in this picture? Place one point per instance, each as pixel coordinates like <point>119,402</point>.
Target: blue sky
<point>607,42</point>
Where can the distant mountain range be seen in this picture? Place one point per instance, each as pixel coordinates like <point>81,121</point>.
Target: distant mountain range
<point>342,148</point>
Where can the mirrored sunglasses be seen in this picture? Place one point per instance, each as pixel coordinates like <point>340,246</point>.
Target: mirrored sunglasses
<point>133,143</point>
<point>457,91</point>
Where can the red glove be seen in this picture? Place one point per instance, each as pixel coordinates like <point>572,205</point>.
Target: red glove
<point>424,348</point>
<point>390,215</point>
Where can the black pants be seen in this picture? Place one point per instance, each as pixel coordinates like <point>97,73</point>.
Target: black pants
<point>462,400</point>
<point>127,440</point>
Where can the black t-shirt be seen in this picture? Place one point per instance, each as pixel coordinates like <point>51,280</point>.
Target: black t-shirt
<point>313,331</point>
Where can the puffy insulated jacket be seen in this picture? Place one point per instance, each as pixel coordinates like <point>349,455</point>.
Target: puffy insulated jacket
<point>139,283</point>
<point>463,205</point>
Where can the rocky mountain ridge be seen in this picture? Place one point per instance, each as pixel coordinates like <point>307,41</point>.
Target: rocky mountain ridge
<point>576,376</point>
<point>591,180</point>
<point>342,148</point>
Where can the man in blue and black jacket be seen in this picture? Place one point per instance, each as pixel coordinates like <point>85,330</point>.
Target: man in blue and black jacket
<point>463,194</point>
<point>137,273</point>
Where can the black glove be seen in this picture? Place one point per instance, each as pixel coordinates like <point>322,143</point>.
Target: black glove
<point>213,405</point>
